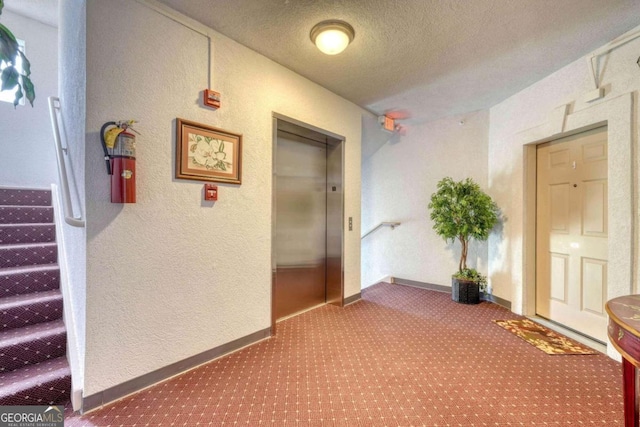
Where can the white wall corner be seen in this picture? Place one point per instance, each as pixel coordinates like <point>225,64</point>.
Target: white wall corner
<point>387,279</point>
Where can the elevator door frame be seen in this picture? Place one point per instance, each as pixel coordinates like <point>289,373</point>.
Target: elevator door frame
<point>337,299</point>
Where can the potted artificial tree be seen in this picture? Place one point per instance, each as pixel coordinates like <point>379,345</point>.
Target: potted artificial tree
<point>13,76</point>
<point>461,210</point>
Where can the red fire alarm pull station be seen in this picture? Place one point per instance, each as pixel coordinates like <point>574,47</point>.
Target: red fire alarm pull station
<point>211,98</point>
<point>211,192</point>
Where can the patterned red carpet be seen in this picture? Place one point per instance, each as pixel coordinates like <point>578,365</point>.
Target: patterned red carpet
<point>401,357</point>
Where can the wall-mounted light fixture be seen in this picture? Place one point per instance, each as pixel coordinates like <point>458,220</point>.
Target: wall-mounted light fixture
<point>332,36</point>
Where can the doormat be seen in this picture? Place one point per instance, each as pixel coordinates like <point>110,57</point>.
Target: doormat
<point>543,338</point>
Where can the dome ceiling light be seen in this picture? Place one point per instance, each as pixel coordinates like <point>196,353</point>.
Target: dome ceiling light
<point>332,36</point>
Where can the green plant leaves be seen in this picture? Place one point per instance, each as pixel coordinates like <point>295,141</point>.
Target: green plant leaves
<point>26,65</point>
<point>18,97</point>
<point>8,45</point>
<point>11,76</point>
<point>460,209</point>
<point>473,275</point>
<point>29,89</point>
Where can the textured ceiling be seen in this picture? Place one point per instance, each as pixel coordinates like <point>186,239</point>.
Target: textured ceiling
<point>422,59</point>
<point>426,58</point>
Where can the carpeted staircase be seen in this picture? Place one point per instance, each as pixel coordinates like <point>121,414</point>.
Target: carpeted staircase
<point>33,338</point>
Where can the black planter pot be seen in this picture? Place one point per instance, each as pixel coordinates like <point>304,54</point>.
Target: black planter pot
<point>465,291</point>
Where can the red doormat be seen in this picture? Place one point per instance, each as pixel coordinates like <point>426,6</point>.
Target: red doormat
<point>544,339</point>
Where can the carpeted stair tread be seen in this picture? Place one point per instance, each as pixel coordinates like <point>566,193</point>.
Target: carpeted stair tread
<point>28,254</point>
<point>28,299</point>
<point>25,197</point>
<point>27,233</point>
<point>45,383</point>
<point>10,214</point>
<point>23,310</point>
<point>32,344</point>
<point>29,279</point>
<point>33,338</point>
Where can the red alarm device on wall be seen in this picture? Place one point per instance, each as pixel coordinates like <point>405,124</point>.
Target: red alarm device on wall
<point>211,192</point>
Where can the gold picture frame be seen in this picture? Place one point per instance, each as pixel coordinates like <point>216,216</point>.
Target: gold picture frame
<point>206,153</point>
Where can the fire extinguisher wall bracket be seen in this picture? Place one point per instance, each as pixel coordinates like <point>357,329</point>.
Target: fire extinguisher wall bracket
<point>107,156</point>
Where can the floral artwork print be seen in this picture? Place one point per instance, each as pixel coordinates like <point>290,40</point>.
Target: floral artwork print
<point>209,153</point>
<point>206,153</point>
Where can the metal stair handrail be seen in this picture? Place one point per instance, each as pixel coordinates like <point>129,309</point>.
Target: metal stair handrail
<point>392,224</point>
<point>69,217</point>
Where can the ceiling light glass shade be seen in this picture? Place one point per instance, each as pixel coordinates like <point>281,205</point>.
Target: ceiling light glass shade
<point>332,37</point>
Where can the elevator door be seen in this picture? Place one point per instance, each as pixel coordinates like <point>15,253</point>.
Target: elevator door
<point>308,220</point>
<point>301,212</point>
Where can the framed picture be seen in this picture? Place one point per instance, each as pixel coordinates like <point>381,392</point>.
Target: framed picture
<point>205,153</point>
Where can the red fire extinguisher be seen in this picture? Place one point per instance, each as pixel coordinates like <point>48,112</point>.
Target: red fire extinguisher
<point>119,147</point>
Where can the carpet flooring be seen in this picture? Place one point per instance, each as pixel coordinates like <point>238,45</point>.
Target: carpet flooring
<point>400,357</point>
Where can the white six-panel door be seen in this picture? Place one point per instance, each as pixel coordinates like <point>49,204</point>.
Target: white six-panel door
<point>571,232</point>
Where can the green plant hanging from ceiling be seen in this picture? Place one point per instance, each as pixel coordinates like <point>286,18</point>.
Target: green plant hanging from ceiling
<point>11,76</point>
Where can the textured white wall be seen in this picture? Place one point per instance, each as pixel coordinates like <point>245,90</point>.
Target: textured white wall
<point>531,107</point>
<point>26,143</point>
<point>397,183</point>
<point>171,276</point>
<point>72,39</point>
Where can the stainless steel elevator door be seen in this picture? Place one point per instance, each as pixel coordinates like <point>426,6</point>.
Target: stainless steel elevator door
<point>301,224</point>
